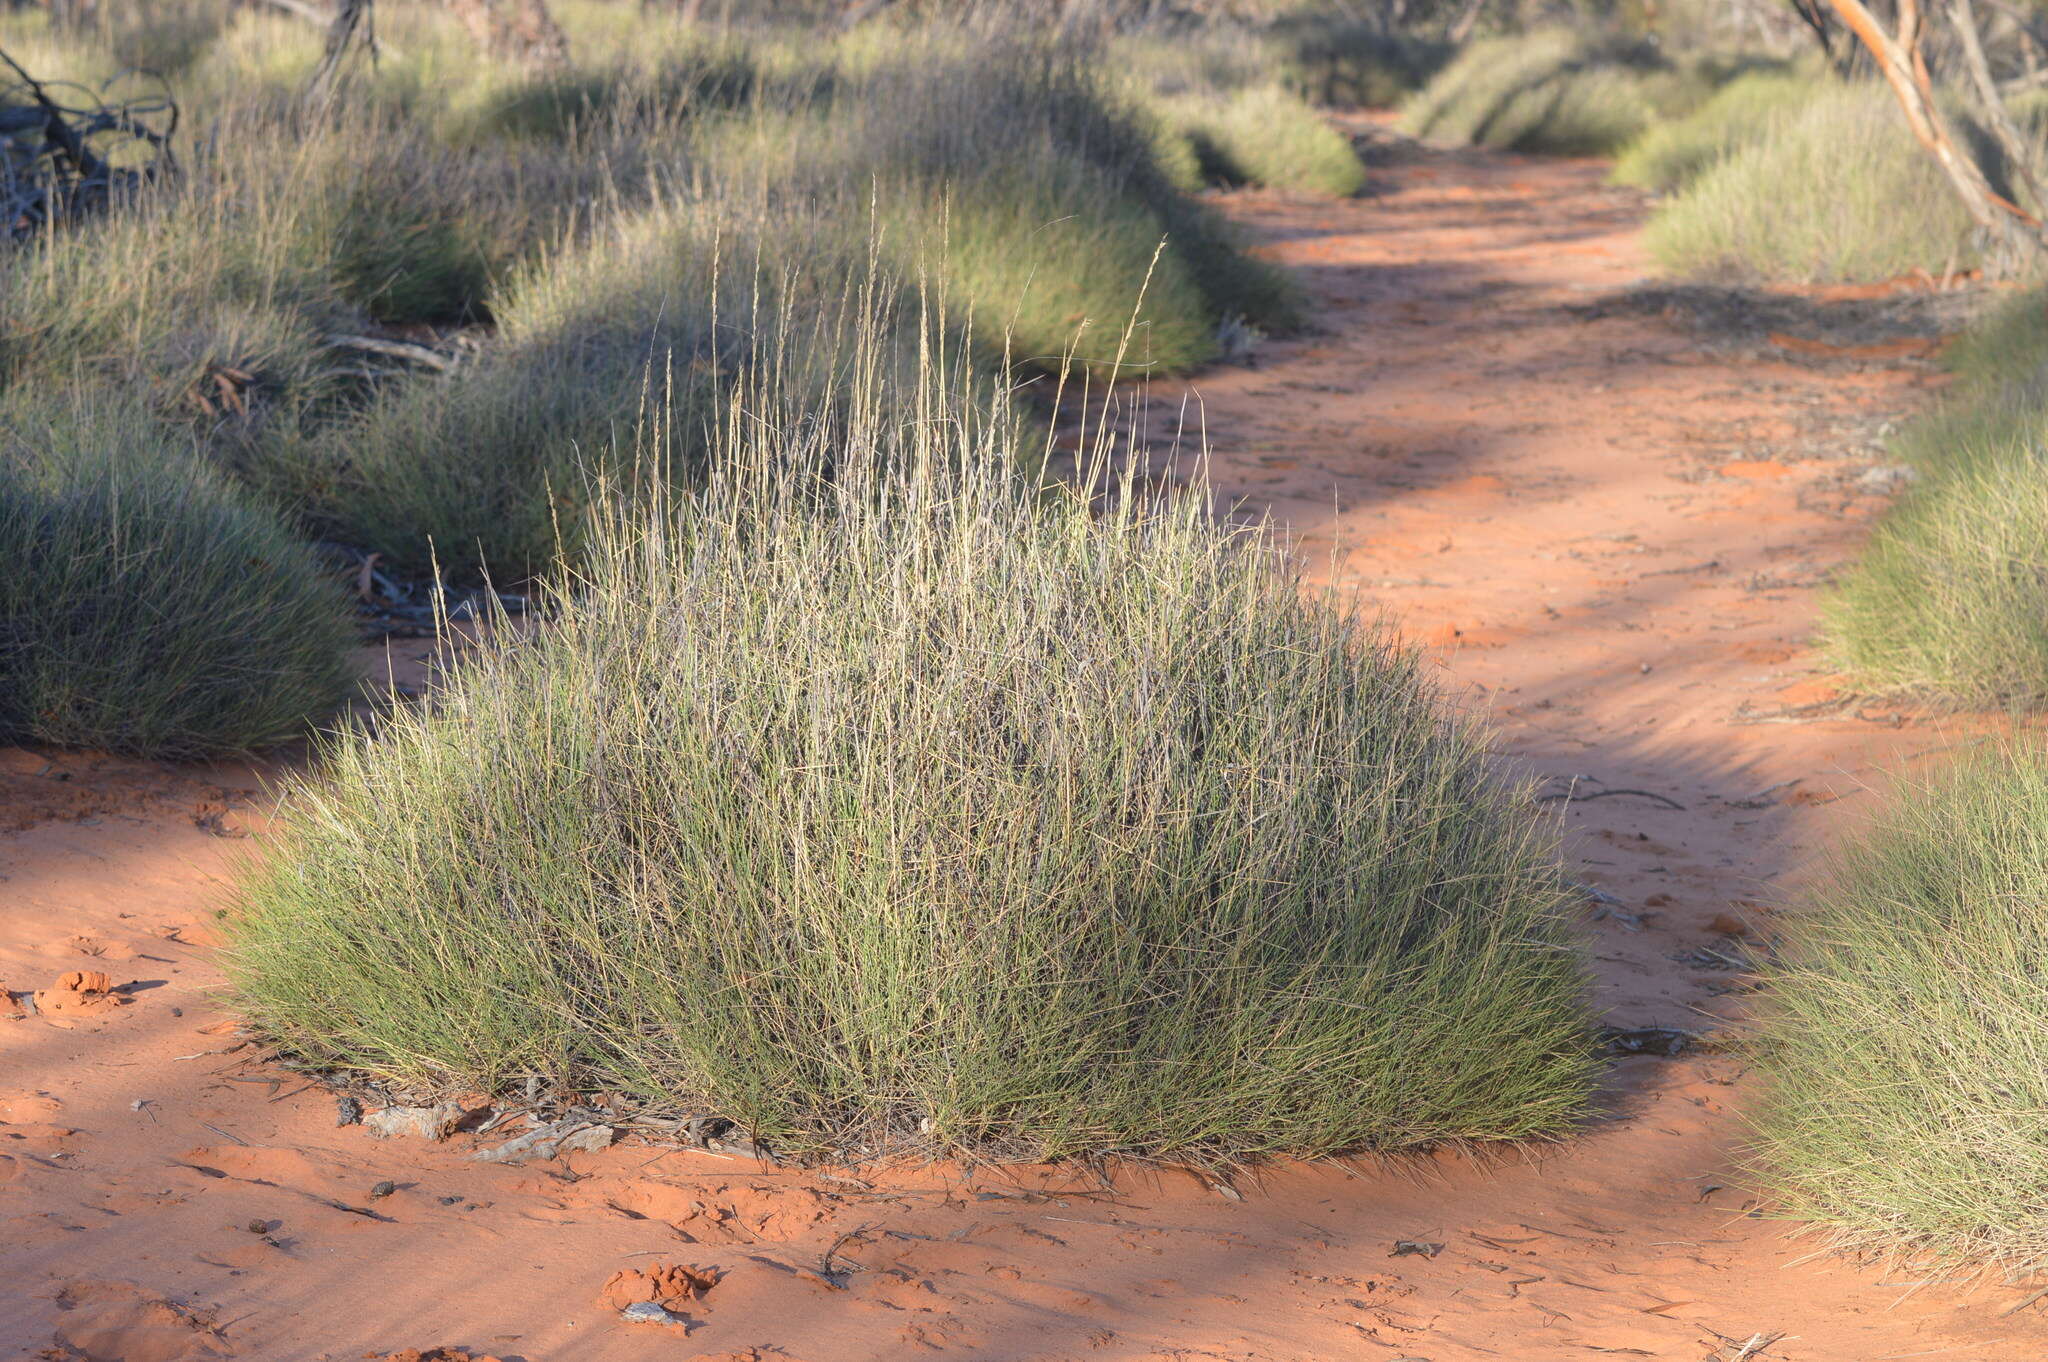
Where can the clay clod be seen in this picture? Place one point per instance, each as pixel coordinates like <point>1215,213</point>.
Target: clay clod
<point>80,991</point>
<point>670,1286</point>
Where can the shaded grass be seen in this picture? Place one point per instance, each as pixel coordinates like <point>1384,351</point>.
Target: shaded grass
<point>1903,1032</point>
<point>655,308</point>
<point>147,608</point>
<point>1346,62</point>
<point>906,808</point>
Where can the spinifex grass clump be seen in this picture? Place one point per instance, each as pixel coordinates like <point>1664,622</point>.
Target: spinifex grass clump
<point>1838,190</point>
<point>1266,135</point>
<point>147,608</point>
<point>1746,112</point>
<point>876,800</point>
<point>1906,1038</point>
<point>1551,91</point>
<point>1946,599</point>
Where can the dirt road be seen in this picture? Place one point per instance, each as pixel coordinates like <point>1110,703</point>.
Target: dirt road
<point>1606,512</point>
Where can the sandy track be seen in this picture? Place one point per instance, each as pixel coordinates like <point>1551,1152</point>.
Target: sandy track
<point>1605,524</point>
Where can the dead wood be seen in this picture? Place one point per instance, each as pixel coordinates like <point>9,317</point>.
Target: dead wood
<point>67,149</point>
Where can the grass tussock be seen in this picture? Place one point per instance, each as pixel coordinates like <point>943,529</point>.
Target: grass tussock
<point>1552,91</point>
<point>1840,191</point>
<point>906,808</point>
<point>1902,1035</point>
<point>1267,136</point>
<point>577,249</point>
<point>147,608</point>
<point>1945,601</point>
<point>1749,111</point>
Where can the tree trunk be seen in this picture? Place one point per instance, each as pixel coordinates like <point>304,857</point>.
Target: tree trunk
<point>516,30</point>
<point>2020,152</point>
<point>1902,61</point>
<point>349,16</point>
<point>1461,27</point>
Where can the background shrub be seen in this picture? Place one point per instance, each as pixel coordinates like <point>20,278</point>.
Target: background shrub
<point>1335,59</point>
<point>914,809</point>
<point>1902,1036</point>
<point>146,608</point>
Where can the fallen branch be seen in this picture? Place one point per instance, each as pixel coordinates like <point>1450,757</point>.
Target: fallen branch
<point>1576,798</point>
<point>405,350</point>
<point>87,150</point>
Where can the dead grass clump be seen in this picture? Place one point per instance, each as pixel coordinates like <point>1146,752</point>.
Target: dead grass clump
<point>878,802</point>
<point>1901,1039</point>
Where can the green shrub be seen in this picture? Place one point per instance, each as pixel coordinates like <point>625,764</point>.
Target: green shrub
<point>146,608</point>
<point>1550,91</point>
<point>1264,135</point>
<point>1842,192</point>
<point>916,809</point>
<point>1901,1040</point>
<point>1748,111</point>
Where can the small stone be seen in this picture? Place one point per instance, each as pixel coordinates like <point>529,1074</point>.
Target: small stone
<point>1887,478</point>
<point>647,1312</point>
<point>426,1123</point>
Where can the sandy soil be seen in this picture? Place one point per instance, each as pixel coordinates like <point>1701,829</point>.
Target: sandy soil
<point>1605,514</point>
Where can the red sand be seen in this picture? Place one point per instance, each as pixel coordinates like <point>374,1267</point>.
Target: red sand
<point>1566,511</point>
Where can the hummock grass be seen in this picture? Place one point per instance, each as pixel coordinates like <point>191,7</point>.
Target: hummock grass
<point>1265,135</point>
<point>1748,111</point>
<point>1902,1039</point>
<point>1945,601</point>
<point>1839,192</point>
<point>911,808</point>
<point>1552,92</point>
<point>1034,198</point>
<point>146,607</point>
